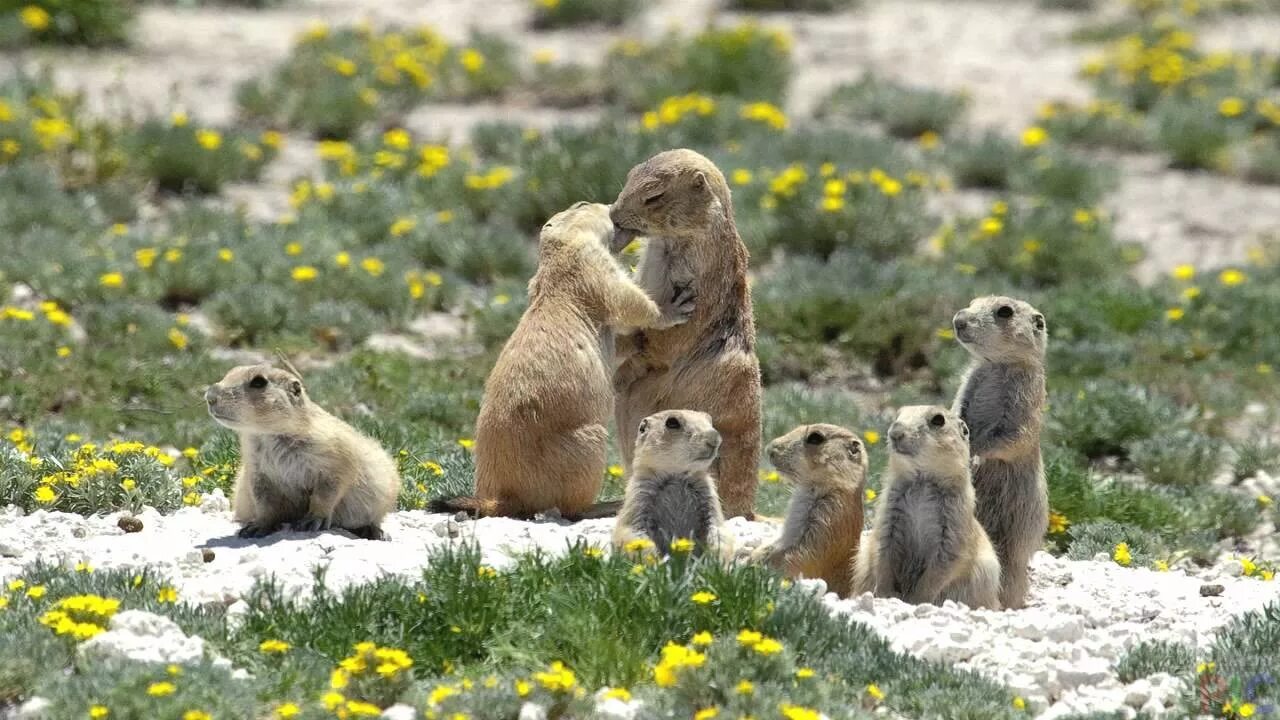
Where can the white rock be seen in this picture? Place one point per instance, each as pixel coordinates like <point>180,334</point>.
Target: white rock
<point>533,711</point>
<point>1231,568</point>
<point>615,709</point>
<point>400,711</point>
<point>143,637</point>
<point>1064,629</point>
<point>36,707</point>
<point>1087,672</point>
<point>1137,693</point>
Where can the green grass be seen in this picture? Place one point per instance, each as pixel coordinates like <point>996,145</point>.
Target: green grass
<point>568,13</point>
<point>462,623</point>
<point>903,111</point>
<point>93,23</point>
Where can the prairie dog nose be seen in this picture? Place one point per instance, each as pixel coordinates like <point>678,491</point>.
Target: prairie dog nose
<point>211,394</point>
<point>961,320</point>
<point>896,433</point>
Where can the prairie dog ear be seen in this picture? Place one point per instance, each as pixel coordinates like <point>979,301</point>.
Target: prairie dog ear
<point>699,180</point>
<point>854,447</point>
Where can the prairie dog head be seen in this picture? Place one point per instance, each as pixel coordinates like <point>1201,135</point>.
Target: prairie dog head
<point>1001,329</point>
<point>677,441</point>
<point>258,399</point>
<point>929,438</point>
<point>674,194</point>
<point>582,220</point>
<point>820,455</point>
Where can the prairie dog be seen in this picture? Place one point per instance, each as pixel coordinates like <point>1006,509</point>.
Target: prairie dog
<point>680,201</point>
<point>299,464</point>
<point>827,464</point>
<point>541,434</point>
<point>1002,399</point>
<point>670,493</point>
<point>927,546</point>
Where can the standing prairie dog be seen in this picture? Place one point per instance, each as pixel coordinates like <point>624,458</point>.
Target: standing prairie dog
<point>927,546</point>
<point>828,466</point>
<point>299,464</point>
<point>1002,399</point>
<point>680,201</point>
<point>670,493</point>
<point>541,434</point>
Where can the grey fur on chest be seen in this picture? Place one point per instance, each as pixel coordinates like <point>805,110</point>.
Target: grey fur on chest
<point>680,508</point>
<point>282,456</point>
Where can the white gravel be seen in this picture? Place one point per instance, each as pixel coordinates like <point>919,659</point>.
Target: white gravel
<point>1058,653</point>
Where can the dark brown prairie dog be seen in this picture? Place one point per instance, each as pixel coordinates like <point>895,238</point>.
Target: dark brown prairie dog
<point>541,434</point>
<point>679,200</point>
<point>299,464</point>
<point>927,546</point>
<point>827,464</point>
<point>670,493</point>
<point>1002,399</point>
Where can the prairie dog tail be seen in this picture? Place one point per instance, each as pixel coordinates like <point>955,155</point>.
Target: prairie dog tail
<point>469,504</point>
<point>606,509</point>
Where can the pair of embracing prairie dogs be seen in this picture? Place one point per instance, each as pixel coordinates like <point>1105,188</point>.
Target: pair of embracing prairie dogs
<point>685,339</point>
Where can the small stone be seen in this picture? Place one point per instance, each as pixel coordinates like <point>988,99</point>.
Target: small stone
<point>533,711</point>
<point>1137,694</point>
<point>129,524</point>
<point>207,555</point>
<point>1089,671</point>
<point>36,707</point>
<point>1101,557</point>
<point>461,517</point>
<point>1213,590</point>
<point>399,711</point>
<point>441,529</point>
<point>1232,568</point>
<point>1065,629</point>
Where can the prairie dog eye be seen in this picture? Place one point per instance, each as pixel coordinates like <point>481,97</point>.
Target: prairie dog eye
<point>644,426</point>
<point>1004,312</point>
<point>673,423</point>
<point>938,420</point>
<point>815,438</point>
<point>258,382</point>
<point>654,198</point>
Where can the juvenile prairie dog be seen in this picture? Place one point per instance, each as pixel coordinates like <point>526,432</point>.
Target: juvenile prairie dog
<point>827,464</point>
<point>670,493</point>
<point>541,435</point>
<point>1002,399</point>
<point>299,464</point>
<point>927,546</point>
<point>680,202</point>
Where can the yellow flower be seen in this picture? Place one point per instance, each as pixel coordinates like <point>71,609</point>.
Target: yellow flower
<point>397,138</point>
<point>209,139</point>
<point>796,712</point>
<point>1184,272</point>
<point>485,571</point>
<point>167,595</point>
<point>272,139</point>
<point>177,338</point>
<point>287,710</point>
<point>638,545</point>
<point>467,443</point>
<point>1034,136</point>
<point>770,477</point>
<point>35,18</point>
<point>274,647</point>
<point>1019,703</point>
<point>373,266</point>
<point>890,187</point>
<point>196,715</point>
<point>45,495</point>
<point>1161,565</point>
<point>701,638</point>
<point>111,280</point>
<point>741,176</point>
<point>523,688</point>
<point>804,673</point>
<point>991,226</point>
<point>1249,566</point>
<point>682,545</point>
<point>707,713</point>
<point>875,692</point>
<point>618,694</point>
<point>97,712</point>
<point>444,217</point>
<point>225,255</point>
<point>870,495</point>
<point>768,646</point>
<point>928,140</point>
<point>1082,217</point>
<point>304,273</point>
<point>402,226</point>
<point>1174,314</point>
<point>556,679</point>
<point>84,567</point>
<point>1121,555</point>
<point>748,638</point>
<point>1231,107</point>
<point>702,597</point>
<point>832,204</point>
<point>766,113</point>
<point>1265,500</point>
<point>472,60</point>
<point>35,592</point>
<point>1190,293</point>
<point>871,436</point>
<point>161,689</point>
<point>1246,710</point>
<point>1058,523</point>
<point>1231,277</point>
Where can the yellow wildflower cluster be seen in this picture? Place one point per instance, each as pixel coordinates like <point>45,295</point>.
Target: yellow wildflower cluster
<point>675,109</point>
<point>759,643</point>
<point>369,660</point>
<point>1058,523</point>
<point>80,616</point>
<point>492,180</point>
<point>676,658</point>
<point>557,678</point>
<point>1121,555</point>
<point>766,113</point>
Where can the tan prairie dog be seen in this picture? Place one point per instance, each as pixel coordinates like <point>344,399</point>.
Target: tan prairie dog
<point>1002,399</point>
<point>927,546</point>
<point>670,493</point>
<point>680,202</point>
<point>541,436</point>
<point>827,464</point>
<point>299,464</point>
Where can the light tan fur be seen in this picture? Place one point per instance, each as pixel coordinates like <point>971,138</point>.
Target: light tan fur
<point>671,494</point>
<point>541,434</point>
<point>680,202</point>
<point>1002,399</point>
<point>827,464</point>
<point>299,464</point>
<point>927,546</point>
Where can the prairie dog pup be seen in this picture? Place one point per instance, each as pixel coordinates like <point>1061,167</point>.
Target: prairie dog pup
<point>680,201</point>
<point>299,464</point>
<point>927,546</point>
<point>541,434</point>
<point>1002,400</point>
<point>671,493</point>
<point>827,464</point>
